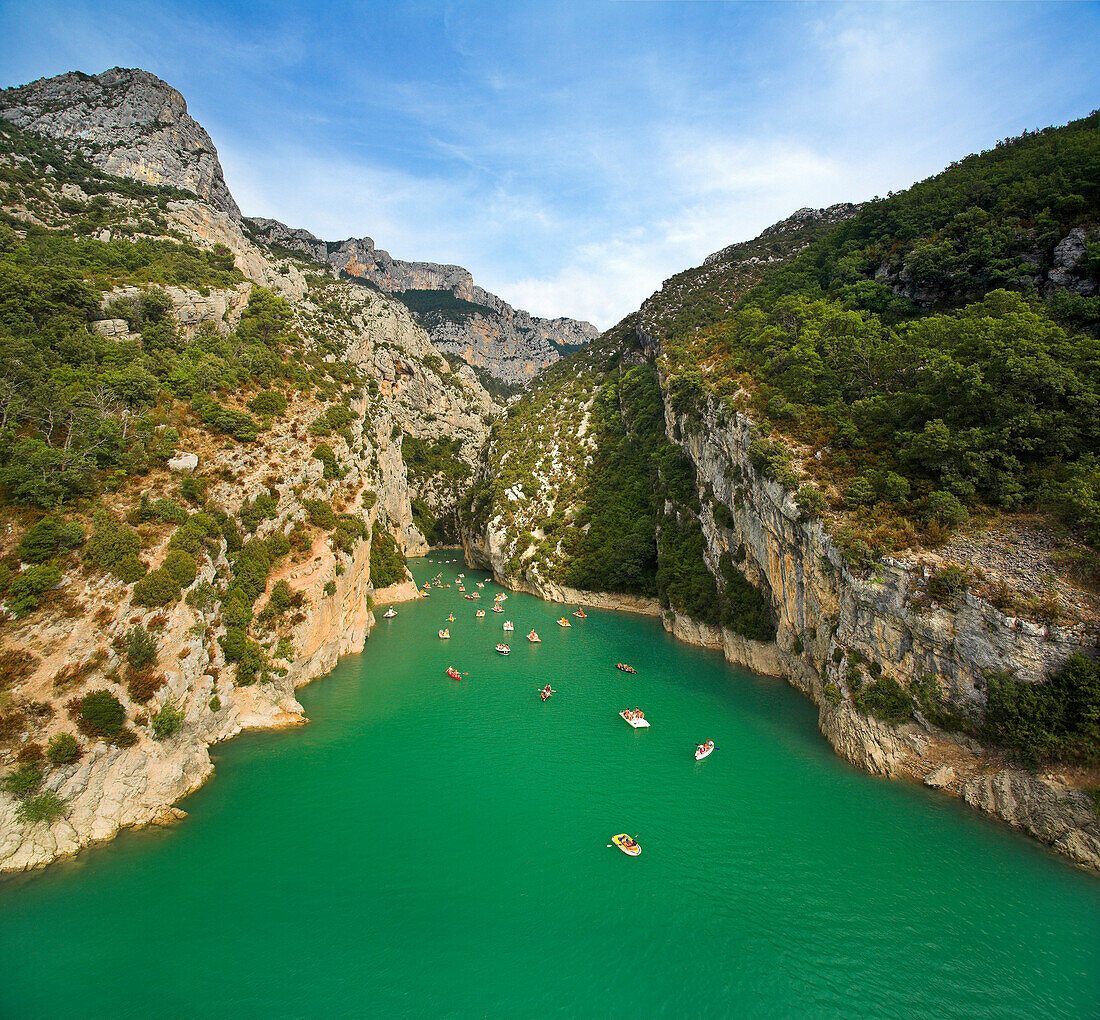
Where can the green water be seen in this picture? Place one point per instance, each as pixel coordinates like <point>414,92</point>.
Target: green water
<point>427,848</point>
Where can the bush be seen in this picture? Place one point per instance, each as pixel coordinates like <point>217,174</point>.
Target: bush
<point>323,452</point>
<point>112,542</point>
<point>167,722</point>
<point>268,403</point>
<point>181,567</point>
<point>387,562</point>
<point>48,537</point>
<point>43,808</point>
<point>141,648</point>
<point>215,704</point>
<point>62,749</point>
<point>24,781</point>
<point>811,501</point>
<point>130,569</point>
<point>15,664</point>
<point>142,685</point>
<point>320,514</point>
<point>948,584</point>
<point>886,699</point>
<point>1058,720</point>
<point>27,588</point>
<point>944,508</point>
<point>157,588</point>
<point>100,714</point>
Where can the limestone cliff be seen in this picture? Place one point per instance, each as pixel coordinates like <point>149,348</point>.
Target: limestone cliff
<point>481,328</point>
<point>128,123</point>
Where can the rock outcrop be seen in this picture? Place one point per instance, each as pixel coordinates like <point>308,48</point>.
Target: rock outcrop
<point>128,123</point>
<point>482,329</point>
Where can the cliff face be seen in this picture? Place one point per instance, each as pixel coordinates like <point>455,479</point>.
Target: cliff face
<point>393,384</point>
<point>486,332</point>
<point>128,123</point>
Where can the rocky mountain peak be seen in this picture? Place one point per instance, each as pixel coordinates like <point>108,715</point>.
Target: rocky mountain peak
<point>127,122</point>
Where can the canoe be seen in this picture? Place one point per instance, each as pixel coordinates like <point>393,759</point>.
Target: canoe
<point>626,844</point>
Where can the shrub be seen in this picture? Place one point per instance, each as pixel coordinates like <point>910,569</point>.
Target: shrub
<point>810,500</point>
<point>1058,720</point>
<point>43,808</point>
<point>278,602</point>
<point>167,722</point>
<point>100,714</point>
<point>859,493</point>
<point>886,699</point>
<point>832,693</point>
<point>49,536</point>
<point>181,567</point>
<point>141,648</point>
<point>944,508</point>
<point>111,543</point>
<point>62,749</point>
<point>27,589</point>
<point>24,781</point>
<point>320,514</point>
<point>157,588</point>
<point>323,452</point>
<point>330,588</point>
<point>268,403</point>
<point>215,704</point>
<point>130,569</point>
<point>202,597</point>
<point>15,664</point>
<point>142,685</point>
<point>948,584</point>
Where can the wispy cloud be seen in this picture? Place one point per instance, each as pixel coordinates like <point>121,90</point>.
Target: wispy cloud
<point>573,156</point>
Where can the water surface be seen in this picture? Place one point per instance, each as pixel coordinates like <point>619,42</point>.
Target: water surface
<point>427,848</point>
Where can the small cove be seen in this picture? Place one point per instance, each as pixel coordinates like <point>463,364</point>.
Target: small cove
<point>433,848</point>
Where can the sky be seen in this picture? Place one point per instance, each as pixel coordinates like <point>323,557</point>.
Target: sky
<point>573,156</point>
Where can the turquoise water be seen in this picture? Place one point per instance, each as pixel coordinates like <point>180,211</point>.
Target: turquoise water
<point>431,848</point>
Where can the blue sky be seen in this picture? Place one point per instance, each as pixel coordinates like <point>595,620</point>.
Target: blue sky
<point>574,155</point>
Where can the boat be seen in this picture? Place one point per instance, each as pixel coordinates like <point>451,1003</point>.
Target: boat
<point>508,625</point>
<point>389,614</point>
<point>580,614</point>
<point>702,750</point>
<point>546,691</point>
<point>451,618</point>
<point>475,595</point>
<point>445,633</point>
<point>500,597</point>
<point>625,668</point>
<point>481,584</point>
<point>563,622</point>
<point>503,648</point>
<point>534,638</point>
<point>453,673</point>
<point>626,844</point>
<point>480,613</point>
<point>498,609</point>
<point>636,718</point>
<point>460,588</point>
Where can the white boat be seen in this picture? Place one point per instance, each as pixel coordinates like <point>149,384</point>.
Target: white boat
<point>702,750</point>
<point>389,614</point>
<point>636,718</point>
<point>480,613</point>
<point>500,597</point>
<point>445,633</point>
<point>508,625</point>
<point>563,622</point>
<point>503,649</point>
<point>533,638</point>
<point>498,609</point>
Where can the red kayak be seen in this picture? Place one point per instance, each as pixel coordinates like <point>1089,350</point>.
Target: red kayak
<point>453,673</point>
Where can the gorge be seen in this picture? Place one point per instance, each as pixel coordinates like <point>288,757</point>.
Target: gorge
<point>228,435</point>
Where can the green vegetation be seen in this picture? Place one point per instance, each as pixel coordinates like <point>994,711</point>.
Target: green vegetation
<point>62,749</point>
<point>167,722</point>
<point>49,537</point>
<point>387,563</point>
<point>23,781</point>
<point>27,589</point>
<point>43,808</point>
<point>141,648</point>
<point>99,714</point>
<point>886,699</point>
<point>1058,720</point>
<point>431,306</point>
